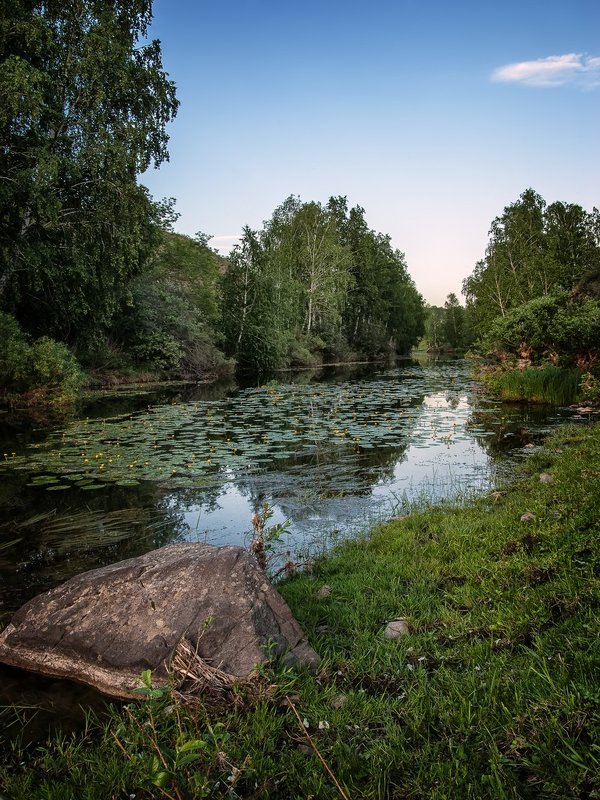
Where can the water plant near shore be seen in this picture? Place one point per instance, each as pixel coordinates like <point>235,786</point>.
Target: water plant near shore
<point>547,384</point>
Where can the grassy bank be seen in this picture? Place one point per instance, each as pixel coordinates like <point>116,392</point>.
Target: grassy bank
<point>546,384</point>
<point>493,693</point>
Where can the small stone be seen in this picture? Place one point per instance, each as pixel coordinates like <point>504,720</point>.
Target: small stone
<point>545,477</point>
<point>527,517</point>
<point>323,592</point>
<point>396,628</point>
<point>305,749</point>
<point>339,701</point>
<point>529,445</point>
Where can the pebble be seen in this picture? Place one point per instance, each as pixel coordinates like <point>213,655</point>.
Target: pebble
<point>396,628</point>
<point>527,517</point>
<point>339,701</point>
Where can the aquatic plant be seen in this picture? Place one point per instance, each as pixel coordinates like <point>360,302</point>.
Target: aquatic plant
<point>546,384</point>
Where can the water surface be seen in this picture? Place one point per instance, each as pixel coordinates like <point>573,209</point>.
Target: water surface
<point>330,453</point>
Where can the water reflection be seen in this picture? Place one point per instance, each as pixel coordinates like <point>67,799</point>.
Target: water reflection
<point>330,451</point>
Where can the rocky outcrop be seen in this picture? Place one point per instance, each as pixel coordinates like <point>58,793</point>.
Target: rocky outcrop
<point>104,627</point>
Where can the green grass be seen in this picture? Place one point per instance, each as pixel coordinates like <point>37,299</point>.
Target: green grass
<point>538,385</point>
<point>493,693</point>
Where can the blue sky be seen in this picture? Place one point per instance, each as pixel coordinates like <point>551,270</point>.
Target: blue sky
<point>432,115</point>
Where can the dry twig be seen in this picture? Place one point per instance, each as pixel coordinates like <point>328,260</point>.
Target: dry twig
<point>316,749</point>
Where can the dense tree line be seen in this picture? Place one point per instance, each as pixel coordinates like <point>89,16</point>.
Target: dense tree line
<point>91,272</point>
<point>536,294</point>
<point>447,328</point>
<point>317,282</point>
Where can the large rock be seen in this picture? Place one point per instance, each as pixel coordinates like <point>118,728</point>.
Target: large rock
<point>105,627</point>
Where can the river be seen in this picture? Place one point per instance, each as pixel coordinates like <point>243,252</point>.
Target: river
<point>330,452</point>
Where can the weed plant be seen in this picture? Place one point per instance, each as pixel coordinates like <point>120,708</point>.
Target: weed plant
<point>538,385</point>
<point>493,693</point>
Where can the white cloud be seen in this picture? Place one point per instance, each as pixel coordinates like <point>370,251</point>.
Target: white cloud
<point>572,69</point>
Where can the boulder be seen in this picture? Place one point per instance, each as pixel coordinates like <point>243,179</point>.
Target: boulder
<point>180,604</point>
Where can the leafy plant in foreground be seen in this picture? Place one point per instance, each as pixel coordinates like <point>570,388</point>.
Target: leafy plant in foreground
<point>173,751</point>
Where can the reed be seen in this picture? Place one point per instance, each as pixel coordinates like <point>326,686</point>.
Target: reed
<point>539,385</point>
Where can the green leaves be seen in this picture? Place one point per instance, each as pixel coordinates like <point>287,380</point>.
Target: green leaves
<point>316,280</point>
<point>534,251</point>
<point>84,110</point>
<point>203,443</point>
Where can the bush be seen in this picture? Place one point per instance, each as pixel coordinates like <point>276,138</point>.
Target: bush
<point>530,327</point>
<point>305,351</point>
<point>26,365</point>
<point>161,329</point>
<point>554,328</point>
<point>52,364</point>
<point>14,350</point>
<point>590,388</point>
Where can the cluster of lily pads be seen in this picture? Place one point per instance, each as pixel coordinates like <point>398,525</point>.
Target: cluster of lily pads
<point>202,443</point>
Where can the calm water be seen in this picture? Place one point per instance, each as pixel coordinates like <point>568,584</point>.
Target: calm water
<point>330,453</point>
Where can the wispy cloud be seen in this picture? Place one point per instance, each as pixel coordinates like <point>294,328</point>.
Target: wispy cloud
<point>573,69</point>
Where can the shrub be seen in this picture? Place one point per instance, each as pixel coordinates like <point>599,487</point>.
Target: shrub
<point>52,364</point>
<point>14,350</point>
<point>551,327</point>
<point>590,388</point>
<point>305,351</point>
<point>26,365</point>
<point>161,329</point>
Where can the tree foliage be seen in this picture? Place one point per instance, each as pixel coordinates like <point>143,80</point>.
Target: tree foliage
<point>84,111</point>
<point>535,295</point>
<point>43,362</point>
<point>316,280</point>
<point>170,316</point>
<point>534,250</point>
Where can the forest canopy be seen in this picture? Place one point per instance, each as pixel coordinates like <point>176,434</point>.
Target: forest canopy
<point>536,294</point>
<point>317,281</point>
<point>85,102</point>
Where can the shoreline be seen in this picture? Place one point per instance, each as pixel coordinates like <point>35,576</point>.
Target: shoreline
<point>489,694</point>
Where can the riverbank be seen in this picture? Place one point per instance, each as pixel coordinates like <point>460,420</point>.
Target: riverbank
<point>491,694</point>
